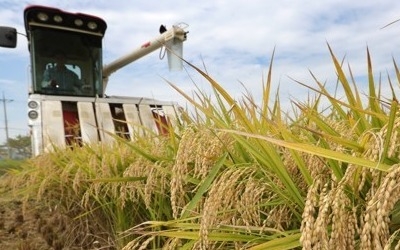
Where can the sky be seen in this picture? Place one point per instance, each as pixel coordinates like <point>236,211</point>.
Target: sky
<point>232,40</point>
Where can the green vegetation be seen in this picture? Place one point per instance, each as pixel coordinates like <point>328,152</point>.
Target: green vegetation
<point>238,174</point>
<point>7,164</point>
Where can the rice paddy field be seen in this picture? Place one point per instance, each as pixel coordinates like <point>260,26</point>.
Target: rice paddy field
<point>232,174</point>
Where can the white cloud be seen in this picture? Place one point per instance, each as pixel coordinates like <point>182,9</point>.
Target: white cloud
<point>234,39</point>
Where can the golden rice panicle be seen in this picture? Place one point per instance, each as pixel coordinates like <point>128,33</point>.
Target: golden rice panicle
<point>293,169</point>
<point>375,232</point>
<point>185,155</point>
<point>308,239</point>
<point>139,166</point>
<point>220,200</point>
<point>172,244</point>
<point>373,145</point>
<point>107,166</point>
<point>210,146</point>
<point>320,234</point>
<point>157,182</point>
<point>318,168</point>
<point>249,195</point>
<point>144,245</point>
<point>131,190</point>
<point>139,243</point>
<point>278,217</point>
<point>152,182</point>
<point>328,206</point>
<point>198,151</point>
<point>344,221</point>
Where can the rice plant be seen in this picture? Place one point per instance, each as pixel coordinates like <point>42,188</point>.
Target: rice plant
<point>239,174</point>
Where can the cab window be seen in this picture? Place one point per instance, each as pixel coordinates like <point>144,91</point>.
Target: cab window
<point>82,54</point>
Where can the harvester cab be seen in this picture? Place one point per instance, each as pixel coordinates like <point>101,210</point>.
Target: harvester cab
<point>67,104</point>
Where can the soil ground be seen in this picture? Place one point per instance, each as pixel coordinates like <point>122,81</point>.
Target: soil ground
<point>25,226</point>
<point>33,226</point>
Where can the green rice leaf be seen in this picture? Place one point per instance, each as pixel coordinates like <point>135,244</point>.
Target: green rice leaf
<point>204,186</point>
<point>314,150</point>
<point>288,242</point>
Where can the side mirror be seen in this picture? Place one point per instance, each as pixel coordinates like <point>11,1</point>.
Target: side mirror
<point>8,37</point>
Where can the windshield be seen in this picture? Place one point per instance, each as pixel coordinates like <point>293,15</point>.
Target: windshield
<point>65,63</point>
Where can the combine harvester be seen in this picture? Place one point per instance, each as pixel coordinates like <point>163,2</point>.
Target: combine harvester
<point>77,111</point>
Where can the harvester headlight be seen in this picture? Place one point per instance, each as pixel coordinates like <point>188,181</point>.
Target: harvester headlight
<point>78,22</point>
<point>42,16</point>
<point>33,104</point>
<point>92,25</point>
<point>57,18</point>
<point>33,114</point>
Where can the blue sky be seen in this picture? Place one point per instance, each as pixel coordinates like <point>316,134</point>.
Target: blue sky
<point>234,40</point>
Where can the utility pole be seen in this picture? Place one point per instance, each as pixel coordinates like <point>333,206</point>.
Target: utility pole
<point>4,100</point>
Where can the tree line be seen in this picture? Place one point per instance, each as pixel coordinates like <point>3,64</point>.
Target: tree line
<point>16,148</point>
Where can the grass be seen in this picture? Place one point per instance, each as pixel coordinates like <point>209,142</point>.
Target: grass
<point>240,174</point>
